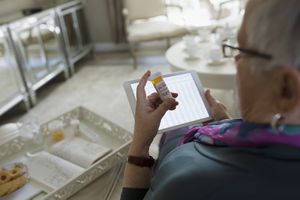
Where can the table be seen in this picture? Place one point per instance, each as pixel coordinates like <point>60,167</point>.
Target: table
<point>220,76</point>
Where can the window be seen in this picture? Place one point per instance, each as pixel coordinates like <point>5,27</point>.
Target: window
<point>202,12</point>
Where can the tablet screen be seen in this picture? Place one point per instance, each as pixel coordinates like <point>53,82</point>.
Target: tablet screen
<point>191,108</point>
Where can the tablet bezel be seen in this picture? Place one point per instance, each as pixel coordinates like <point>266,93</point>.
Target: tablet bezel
<point>132,99</point>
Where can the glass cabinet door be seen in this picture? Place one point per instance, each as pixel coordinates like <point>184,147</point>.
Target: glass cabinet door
<point>9,84</point>
<point>49,36</point>
<point>85,39</point>
<point>33,54</point>
<point>71,33</point>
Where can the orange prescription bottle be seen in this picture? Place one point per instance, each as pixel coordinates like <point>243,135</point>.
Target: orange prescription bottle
<point>160,85</point>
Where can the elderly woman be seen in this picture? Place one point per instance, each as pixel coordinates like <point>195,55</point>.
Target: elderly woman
<point>256,157</point>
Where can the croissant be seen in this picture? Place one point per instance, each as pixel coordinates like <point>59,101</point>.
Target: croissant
<point>12,179</point>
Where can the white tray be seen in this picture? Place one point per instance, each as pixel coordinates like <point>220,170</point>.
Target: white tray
<point>112,136</point>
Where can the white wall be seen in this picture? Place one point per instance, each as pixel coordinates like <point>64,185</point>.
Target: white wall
<point>11,10</point>
<point>98,24</point>
<point>10,6</point>
<point>98,21</point>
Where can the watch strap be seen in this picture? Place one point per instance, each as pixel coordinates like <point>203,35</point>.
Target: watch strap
<point>141,161</point>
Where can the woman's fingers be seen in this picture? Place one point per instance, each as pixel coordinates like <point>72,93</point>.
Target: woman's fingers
<point>167,104</point>
<point>210,99</point>
<point>174,94</point>
<point>219,110</point>
<point>140,90</point>
<point>223,106</point>
<point>155,99</point>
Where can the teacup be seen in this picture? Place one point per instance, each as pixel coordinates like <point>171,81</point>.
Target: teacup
<point>215,55</point>
<point>192,52</point>
<point>226,33</point>
<point>190,41</point>
<point>205,34</point>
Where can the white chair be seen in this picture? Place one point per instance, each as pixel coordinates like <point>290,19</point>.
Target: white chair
<point>218,10</point>
<point>141,25</point>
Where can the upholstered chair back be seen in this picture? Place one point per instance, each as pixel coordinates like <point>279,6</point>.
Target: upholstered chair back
<point>143,9</point>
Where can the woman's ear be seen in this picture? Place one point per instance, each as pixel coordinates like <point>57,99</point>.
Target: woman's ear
<point>287,89</point>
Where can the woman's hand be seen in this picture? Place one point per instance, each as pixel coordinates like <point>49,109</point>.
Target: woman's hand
<point>218,110</point>
<point>148,114</point>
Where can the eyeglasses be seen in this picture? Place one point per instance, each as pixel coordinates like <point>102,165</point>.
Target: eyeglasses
<point>231,51</point>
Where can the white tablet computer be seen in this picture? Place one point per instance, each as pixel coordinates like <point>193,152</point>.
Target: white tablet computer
<point>192,108</point>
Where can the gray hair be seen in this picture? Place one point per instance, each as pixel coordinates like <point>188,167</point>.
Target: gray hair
<point>274,28</point>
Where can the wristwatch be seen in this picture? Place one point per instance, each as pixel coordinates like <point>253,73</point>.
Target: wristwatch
<point>141,161</point>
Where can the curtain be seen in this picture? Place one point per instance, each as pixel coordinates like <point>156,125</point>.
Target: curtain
<point>116,20</point>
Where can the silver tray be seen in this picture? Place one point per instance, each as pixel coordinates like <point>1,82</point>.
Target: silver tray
<point>112,136</point>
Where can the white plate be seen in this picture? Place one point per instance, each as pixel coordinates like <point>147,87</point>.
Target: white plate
<point>190,58</point>
<point>195,48</point>
<point>216,62</point>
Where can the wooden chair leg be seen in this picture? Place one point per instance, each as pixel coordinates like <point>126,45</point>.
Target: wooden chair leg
<point>133,54</point>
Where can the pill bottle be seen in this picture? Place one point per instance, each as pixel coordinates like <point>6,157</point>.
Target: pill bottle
<point>160,85</point>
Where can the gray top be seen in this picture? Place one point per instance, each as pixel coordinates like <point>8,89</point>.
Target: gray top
<point>196,171</point>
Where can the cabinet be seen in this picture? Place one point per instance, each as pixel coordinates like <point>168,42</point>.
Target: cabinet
<point>74,30</point>
<point>12,90</point>
<point>38,44</point>
<point>37,48</point>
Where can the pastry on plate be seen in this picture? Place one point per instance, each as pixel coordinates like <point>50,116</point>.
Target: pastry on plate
<point>12,178</point>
